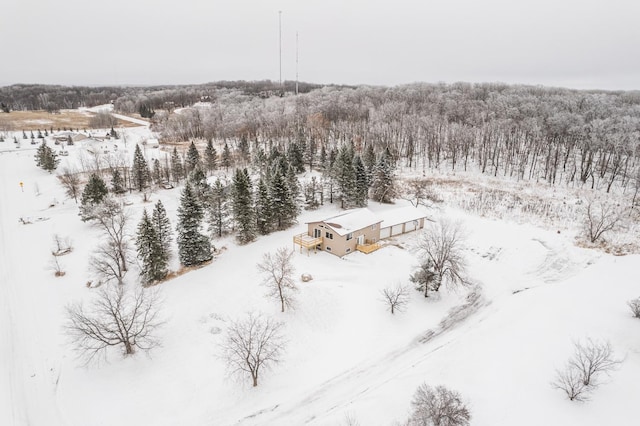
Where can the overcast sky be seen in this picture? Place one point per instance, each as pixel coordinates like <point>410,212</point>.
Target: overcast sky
<point>570,43</point>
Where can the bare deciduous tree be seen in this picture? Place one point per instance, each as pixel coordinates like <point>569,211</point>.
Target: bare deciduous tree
<point>600,219</point>
<point>570,381</point>
<point>396,298</point>
<point>592,358</point>
<point>253,344</point>
<point>419,192</point>
<point>441,242</point>
<point>71,183</point>
<point>634,305</point>
<point>111,258</point>
<point>438,406</point>
<point>579,377</point>
<point>61,246</point>
<point>278,276</point>
<point>118,316</point>
<point>58,270</point>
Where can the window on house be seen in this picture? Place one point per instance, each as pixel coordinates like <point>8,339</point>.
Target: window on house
<point>349,236</point>
<point>330,235</point>
<point>348,250</point>
<point>373,226</point>
<point>328,248</point>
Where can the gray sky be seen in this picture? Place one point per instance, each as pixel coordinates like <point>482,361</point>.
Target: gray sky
<point>571,43</point>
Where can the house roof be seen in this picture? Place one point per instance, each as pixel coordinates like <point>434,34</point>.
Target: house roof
<point>351,220</point>
<point>402,215</point>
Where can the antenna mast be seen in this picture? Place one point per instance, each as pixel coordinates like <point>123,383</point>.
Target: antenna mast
<point>280,44</point>
<point>296,62</point>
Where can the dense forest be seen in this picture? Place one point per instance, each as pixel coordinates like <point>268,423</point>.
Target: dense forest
<point>554,135</point>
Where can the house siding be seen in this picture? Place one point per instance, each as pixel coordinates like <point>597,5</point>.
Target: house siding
<point>339,244</point>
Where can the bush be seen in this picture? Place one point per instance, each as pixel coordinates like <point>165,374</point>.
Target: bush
<point>634,305</point>
<point>438,406</point>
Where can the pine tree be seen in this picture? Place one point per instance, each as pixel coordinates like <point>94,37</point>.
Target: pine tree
<point>263,208</point>
<point>242,207</point>
<point>218,209</point>
<point>362,182</point>
<point>94,193</point>
<point>345,176</point>
<point>194,248</point>
<point>243,148</point>
<point>154,261</point>
<point>283,207</point>
<point>117,182</point>
<point>383,185</point>
<point>46,158</point>
<point>162,227</point>
<point>296,157</point>
<point>226,157</point>
<point>198,181</point>
<point>369,161</point>
<point>210,157</point>
<point>140,170</point>
<point>177,169</point>
<point>193,159</point>
<point>156,174</point>
<point>295,190</point>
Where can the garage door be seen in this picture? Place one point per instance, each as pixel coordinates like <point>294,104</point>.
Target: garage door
<point>396,230</point>
<point>410,226</point>
<point>385,232</point>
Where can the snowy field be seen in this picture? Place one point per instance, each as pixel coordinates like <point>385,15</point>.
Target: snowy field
<point>347,357</point>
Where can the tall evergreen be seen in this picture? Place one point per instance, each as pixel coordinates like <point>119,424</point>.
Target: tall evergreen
<point>93,194</point>
<point>295,189</point>
<point>283,206</point>
<point>194,248</point>
<point>345,176</point>
<point>243,148</point>
<point>140,170</point>
<point>226,157</point>
<point>369,160</point>
<point>218,206</point>
<point>193,158</point>
<point>177,168</point>
<point>295,156</point>
<point>117,182</point>
<point>263,208</point>
<point>162,227</point>
<point>46,158</point>
<point>383,184</point>
<point>210,157</point>
<point>156,174</point>
<point>154,259</point>
<point>198,181</point>
<point>242,207</point>
<point>362,182</point>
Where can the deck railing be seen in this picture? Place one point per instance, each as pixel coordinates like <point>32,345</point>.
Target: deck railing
<point>367,248</point>
<point>307,241</point>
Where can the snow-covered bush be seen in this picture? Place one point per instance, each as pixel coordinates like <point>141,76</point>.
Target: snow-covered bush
<point>634,305</point>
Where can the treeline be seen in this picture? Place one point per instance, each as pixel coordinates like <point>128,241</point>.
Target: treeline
<point>560,136</point>
<point>52,98</point>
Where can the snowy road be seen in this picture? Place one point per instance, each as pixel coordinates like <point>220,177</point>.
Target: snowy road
<point>26,391</point>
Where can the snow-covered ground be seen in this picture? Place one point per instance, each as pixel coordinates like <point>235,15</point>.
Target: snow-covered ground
<point>346,356</point>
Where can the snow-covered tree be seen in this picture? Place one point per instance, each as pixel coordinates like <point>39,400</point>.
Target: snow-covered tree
<point>140,170</point>
<point>194,248</point>
<point>264,217</point>
<point>242,207</point>
<point>277,270</point>
<point>46,158</point>
<point>438,406</point>
<point>226,157</point>
<point>193,158</point>
<point>94,193</point>
<point>177,168</point>
<point>210,157</point>
<point>218,206</point>
<point>344,175</point>
<point>383,181</point>
<point>117,182</point>
<point>362,183</point>
<point>150,252</point>
<point>283,206</point>
<point>162,227</point>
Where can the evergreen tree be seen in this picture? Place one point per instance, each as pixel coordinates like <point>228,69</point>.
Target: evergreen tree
<point>218,209</point>
<point>94,193</point>
<point>46,158</point>
<point>177,169</point>
<point>198,181</point>
<point>295,156</point>
<point>260,160</point>
<point>362,183</point>
<point>156,174</point>
<point>295,190</point>
<point>117,182</point>
<point>323,158</point>
<point>140,170</point>
<point>283,207</point>
<point>242,207</point>
<point>383,185</point>
<point>194,248</point>
<point>193,159</point>
<point>263,208</point>
<point>243,148</point>
<point>226,157</point>
<point>154,261</point>
<point>162,227</point>
<point>369,160</point>
<point>210,157</point>
<point>345,176</point>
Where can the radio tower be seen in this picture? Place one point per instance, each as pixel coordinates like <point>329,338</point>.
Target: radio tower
<point>280,46</point>
<point>296,62</point>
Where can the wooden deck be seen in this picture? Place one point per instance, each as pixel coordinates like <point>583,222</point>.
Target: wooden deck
<point>368,248</point>
<point>306,241</point>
